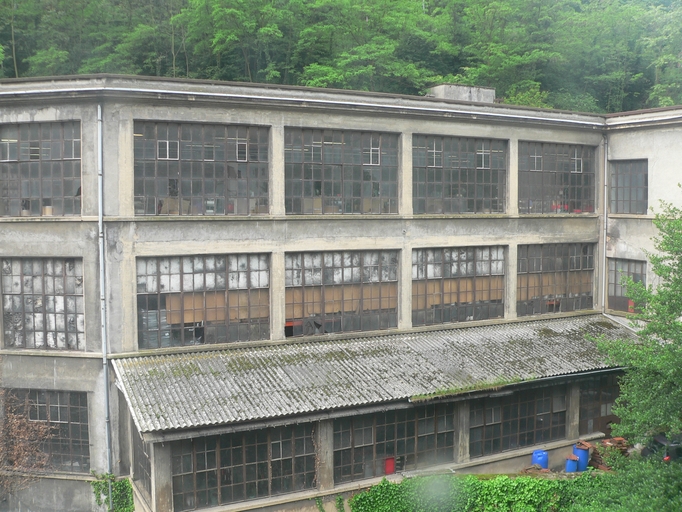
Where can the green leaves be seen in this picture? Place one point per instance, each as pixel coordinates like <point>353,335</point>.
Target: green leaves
<point>651,389</point>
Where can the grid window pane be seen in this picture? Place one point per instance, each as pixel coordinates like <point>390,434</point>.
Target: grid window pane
<point>341,292</point>
<point>556,178</point>
<point>458,175</point>
<point>40,169</point>
<point>619,271</point>
<point>43,303</point>
<point>554,278</point>
<point>217,470</point>
<point>142,469</point>
<point>190,300</point>
<point>457,284</point>
<point>628,187</point>
<point>200,169</point>
<point>414,438</point>
<point>340,172</point>
<point>597,397</point>
<point>522,419</point>
<point>66,413</point>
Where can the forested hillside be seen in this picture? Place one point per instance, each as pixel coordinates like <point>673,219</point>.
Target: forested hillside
<point>589,55</point>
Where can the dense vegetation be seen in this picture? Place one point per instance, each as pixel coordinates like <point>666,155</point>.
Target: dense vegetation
<point>641,485</point>
<point>590,55</point>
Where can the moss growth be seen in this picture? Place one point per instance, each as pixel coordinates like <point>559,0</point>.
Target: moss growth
<point>546,332</point>
<point>480,386</point>
<point>604,325</point>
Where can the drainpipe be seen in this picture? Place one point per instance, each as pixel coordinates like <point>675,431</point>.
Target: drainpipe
<point>102,294</point>
<point>605,204</point>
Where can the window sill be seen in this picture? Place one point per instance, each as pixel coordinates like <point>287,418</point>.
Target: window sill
<point>640,216</point>
<point>49,352</point>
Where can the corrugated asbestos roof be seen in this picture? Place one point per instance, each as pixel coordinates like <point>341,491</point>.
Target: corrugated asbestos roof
<point>191,390</point>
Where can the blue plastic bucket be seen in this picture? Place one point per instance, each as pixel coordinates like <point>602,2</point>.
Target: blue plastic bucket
<point>583,457</point>
<point>571,466</point>
<point>541,458</point>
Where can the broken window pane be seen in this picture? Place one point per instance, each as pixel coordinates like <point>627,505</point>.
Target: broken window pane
<point>340,292</point>
<point>202,299</point>
<point>37,292</point>
<point>457,284</point>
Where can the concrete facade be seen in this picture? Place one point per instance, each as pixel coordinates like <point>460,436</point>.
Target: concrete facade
<point>126,236</point>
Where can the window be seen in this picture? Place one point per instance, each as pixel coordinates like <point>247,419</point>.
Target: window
<point>333,171</point>
<point>42,303</point>
<point>618,271</point>
<point>341,292</point>
<point>216,470</point>
<point>200,169</point>
<point>191,300</point>
<point>554,278</point>
<point>142,468</point>
<point>629,183</point>
<point>412,438</point>
<point>556,178</point>
<point>457,284</point>
<point>40,169</point>
<point>66,413</point>
<point>458,175</point>
<point>597,396</point>
<point>522,419</point>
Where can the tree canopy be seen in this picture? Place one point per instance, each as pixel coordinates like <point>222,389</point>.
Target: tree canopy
<point>586,55</point>
<point>651,389</point>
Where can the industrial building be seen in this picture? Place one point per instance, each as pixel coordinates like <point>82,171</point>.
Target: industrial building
<point>247,296</point>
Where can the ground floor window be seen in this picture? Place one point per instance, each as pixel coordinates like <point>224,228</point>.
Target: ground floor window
<point>522,419</point>
<point>216,470</point>
<point>367,446</point>
<point>66,413</point>
<point>597,396</point>
<point>142,468</point>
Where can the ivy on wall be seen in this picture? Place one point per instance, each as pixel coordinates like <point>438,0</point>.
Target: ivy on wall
<point>121,493</point>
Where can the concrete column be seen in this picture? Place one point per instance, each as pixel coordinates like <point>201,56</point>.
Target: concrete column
<point>513,178</point>
<point>462,432</point>
<point>510,282</point>
<point>277,293</point>
<point>124,173</point>
<point>162,490</point>
<point>277,170</point>
<point>405,175</point>
<point>405,287</point>
<point>573,410</point>
<point>325,454</point>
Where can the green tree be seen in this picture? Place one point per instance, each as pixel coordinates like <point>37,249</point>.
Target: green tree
<point>651,389</point>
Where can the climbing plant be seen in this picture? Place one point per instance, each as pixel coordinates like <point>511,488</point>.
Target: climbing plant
<point>121,492</point>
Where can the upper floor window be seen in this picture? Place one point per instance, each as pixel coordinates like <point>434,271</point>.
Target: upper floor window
<point>629,183</point>
<point>553,278</point>
<point>341,291</point>
<point>458,175</point>
<point>42,303</point>
<point>457,284</point>
<point>190,300</point>
<point>200,169</point>
<point>216,470</point>
<point>334,171</point>
<point>620,269</point>
<point>523,419</point>
<point>405,439</point>
<point>40,169</point>
<point>66,413</point>
<point>556,178</point>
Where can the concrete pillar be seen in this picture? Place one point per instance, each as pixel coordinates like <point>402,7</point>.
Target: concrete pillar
<point>162,490</point>
<point>510,282</point>
<point>277,293</point>
<point>277,170</point>
<point>405,175</point>
<point>405,287</point>
<point>573,410</point>
<point>462,432</point>
<point>513,178</point>
<point>325,454</point>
